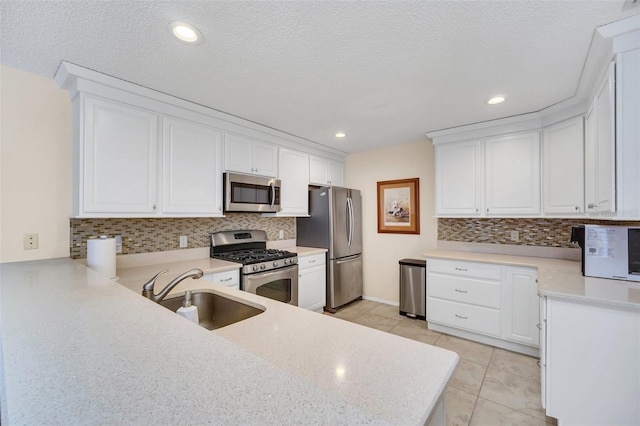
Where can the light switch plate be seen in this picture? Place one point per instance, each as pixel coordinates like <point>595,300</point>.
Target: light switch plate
<point>183,241</point>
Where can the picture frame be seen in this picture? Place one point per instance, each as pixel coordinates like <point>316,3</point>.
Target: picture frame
<point>399,206</point>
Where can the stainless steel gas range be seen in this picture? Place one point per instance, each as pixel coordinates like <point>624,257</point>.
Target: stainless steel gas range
<point>266,272</point>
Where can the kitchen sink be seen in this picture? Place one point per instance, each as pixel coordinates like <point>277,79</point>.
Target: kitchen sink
<point>214,310</point>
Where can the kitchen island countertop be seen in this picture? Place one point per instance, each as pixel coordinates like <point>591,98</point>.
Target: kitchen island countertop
<point>80,349</point>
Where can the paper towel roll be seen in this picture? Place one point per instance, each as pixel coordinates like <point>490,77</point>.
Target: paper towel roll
<point>101,256</point>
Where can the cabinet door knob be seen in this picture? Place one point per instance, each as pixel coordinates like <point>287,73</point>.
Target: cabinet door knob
<point>154,206</point>
<point>487,210</point>
<point>476,210</point>
<point>577,208</point>
<point>591,206</point>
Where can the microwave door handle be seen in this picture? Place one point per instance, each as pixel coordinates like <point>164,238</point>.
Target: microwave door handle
<point>273,194</point>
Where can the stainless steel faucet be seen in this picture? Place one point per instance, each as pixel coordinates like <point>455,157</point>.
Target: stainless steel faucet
<point>147,289</point>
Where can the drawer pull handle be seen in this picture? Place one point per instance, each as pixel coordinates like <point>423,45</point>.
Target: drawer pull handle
<point>226,279</point>
<point>312,261</point>
<point>461,317</point>
<point>461,291</point>
<point>461,269</point>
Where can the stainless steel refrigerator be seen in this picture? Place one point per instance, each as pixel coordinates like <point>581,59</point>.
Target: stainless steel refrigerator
<point>335,223</point>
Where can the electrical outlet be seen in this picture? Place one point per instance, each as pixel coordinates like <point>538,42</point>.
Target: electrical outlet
<point>183,241</point>
<point>281,234</point>
<point>118,244</point>
<point>515,236</point>
<point>30,241</point>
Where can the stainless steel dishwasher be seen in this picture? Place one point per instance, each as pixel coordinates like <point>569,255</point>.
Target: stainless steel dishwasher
<point>413,288</point>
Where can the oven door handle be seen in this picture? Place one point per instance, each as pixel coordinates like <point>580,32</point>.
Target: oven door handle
<point>262,275</point>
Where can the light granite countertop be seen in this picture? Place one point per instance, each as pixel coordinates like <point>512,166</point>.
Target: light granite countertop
<point>559,278</point>
<point>133,277</point>
<point>78,348</point>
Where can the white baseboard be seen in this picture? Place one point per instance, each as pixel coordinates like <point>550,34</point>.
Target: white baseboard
<point>386,302</point>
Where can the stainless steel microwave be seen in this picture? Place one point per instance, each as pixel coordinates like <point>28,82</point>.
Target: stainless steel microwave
<point>247,193</point>
<point>612,252</point>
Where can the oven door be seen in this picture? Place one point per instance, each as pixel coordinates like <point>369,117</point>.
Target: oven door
<point>281,284</point>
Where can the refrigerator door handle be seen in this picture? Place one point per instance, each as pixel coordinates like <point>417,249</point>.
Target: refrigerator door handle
<point>348,259</point>
<point>350,220</point>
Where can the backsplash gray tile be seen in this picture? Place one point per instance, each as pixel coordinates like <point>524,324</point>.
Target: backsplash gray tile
<point>533,232</point>
<point>144,235</point>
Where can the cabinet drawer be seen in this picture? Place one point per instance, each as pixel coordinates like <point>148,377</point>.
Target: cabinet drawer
<point>465,269</point>
<point>467,290</point>
<point>228,278</point>
<point>460,315</point>
<point>311,261</point>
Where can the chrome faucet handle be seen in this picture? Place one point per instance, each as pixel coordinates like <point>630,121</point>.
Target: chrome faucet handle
<point>148,287</point>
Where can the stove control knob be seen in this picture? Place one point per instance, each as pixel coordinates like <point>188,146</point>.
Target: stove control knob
<point>263,266</point>
<point>275,264</point>
<point>255,267</point>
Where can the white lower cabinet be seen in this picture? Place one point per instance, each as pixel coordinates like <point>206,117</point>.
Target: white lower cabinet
<point>312,282</point>
<point>520,307</point>
<point>591,363</point>
<point>229,279</point>
<point>489,303</point>
<point>543,351</point>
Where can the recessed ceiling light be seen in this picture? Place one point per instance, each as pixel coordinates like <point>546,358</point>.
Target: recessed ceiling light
<point>496,100</point>
<point>185,32</point>
<point>340,135</point>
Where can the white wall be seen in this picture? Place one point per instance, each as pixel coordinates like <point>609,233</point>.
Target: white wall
<point>35,165</point>
<point>381,252</point>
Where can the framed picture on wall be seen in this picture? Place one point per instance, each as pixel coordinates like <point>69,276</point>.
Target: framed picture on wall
<point>399,206</point>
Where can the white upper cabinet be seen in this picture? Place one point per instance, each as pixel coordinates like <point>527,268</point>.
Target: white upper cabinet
<point>245,155</point>
<point>628,133</point>
<point>459,178</point>
<point>191,168</point>
<point>118,158</point>
<point>600,148</point>
<point>323,171</point>
<point>294,174</point>
<point>563,167</point>
<point>512,166</point>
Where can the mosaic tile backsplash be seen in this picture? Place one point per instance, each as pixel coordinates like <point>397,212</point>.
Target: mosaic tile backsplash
<point>159,234</point>
<point>533,232</point>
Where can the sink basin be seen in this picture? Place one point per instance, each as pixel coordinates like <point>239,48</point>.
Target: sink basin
<point>214,311</point>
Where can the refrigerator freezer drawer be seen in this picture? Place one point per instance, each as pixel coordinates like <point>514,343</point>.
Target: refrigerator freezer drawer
<point>345,281</point>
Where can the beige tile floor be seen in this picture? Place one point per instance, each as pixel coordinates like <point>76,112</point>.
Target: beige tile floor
<point>491,386</point>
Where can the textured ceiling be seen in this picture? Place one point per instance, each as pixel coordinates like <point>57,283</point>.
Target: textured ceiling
<point>384,72</point>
